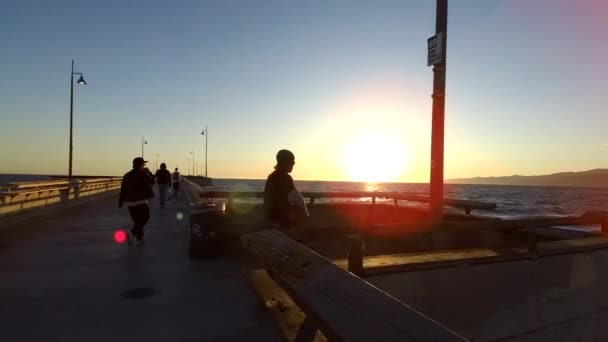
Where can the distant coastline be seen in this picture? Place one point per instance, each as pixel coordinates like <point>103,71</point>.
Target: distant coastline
<point>597,178</point>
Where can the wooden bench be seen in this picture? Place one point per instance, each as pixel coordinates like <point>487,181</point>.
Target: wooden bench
<point>341,305</point>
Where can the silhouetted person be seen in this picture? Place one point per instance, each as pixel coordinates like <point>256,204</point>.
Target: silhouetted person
<point>176,179</point>
<point>135,191</point>
<point>284,206</point>
<point>163,179</point>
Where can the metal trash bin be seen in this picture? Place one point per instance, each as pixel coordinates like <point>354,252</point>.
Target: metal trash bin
<point>206,229</point>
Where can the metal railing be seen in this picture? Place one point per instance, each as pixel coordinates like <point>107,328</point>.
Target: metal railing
<point>467,205</point>
<point>18,197</point>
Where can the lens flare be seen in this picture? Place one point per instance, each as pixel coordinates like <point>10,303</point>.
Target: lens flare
<point>179,216</point>
<point>120,236</point>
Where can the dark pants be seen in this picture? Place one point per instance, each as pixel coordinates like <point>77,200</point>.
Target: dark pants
<point>140,215</point>
<point>175,189</point>
<point>162,193</point>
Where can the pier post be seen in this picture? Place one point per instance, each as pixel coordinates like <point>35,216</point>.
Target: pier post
<point>355,254</point>
<point>532,245</point>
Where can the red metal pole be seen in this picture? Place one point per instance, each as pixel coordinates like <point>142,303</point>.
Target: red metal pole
<point>437,139</point>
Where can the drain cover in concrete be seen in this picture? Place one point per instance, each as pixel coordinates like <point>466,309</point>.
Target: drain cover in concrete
<point>140,292</point>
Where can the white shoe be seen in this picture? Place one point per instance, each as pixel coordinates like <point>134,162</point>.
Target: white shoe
<point>139,242</point>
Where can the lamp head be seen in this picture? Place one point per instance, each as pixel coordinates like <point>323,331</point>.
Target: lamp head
<point>81,80</point>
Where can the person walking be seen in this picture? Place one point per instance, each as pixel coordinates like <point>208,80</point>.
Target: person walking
<point>163,179</point>
<point>135,191</point>
<point>176,179</point>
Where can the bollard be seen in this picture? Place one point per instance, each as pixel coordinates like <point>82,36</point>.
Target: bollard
<point>532,245</point>
<point>355,254</point>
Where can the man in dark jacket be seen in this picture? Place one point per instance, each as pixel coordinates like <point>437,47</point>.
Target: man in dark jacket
<point>135,191</point>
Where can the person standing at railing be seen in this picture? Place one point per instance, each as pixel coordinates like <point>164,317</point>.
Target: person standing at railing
<point>163,179</point>
<point>135,192</point>
<point>284,206</point>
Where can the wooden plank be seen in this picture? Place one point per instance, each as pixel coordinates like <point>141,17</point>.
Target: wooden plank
<point>346,307</point>
<point>402,262</point>
<point>571,246</point>
<point>287,316</point>
<point>426,226</point>
<point>380,264</point>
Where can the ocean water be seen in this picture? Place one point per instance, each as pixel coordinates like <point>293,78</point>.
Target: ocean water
<point>512,201</point>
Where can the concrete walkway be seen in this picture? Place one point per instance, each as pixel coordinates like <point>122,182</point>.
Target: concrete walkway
<point>61,279</point>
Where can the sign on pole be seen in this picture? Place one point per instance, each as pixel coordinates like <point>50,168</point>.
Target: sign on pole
<point>435,49</point>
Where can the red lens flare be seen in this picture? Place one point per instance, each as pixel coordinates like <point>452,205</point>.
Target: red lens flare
<point>120,236</point>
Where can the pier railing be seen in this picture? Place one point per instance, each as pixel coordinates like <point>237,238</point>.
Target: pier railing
<point>467,205</point>
<point>532,249</point>
<point>20,197</point>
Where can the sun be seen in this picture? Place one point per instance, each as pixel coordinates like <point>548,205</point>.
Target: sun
<point>375,157</point>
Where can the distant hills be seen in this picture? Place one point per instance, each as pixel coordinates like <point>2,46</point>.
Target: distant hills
<point>591,178</point>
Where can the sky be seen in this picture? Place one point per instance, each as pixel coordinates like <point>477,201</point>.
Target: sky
<point>343,84</point>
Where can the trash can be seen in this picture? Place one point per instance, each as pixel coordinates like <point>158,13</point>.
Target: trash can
<point>206,229</point>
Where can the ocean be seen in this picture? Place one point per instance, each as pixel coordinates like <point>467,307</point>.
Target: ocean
<point>512,201</point>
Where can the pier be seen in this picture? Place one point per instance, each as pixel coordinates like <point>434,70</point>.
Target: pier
<point>360,270</point>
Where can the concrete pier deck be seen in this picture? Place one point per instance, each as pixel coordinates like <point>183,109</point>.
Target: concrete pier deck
<point>61,279</point>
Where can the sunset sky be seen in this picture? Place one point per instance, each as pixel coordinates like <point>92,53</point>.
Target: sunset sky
<point>343,84</point>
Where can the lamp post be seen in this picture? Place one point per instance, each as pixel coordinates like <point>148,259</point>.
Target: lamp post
<point>205,132</point>
<point>193,163</point>
<point>82,82</point>
<point>438,122</point>
<point>143,142</point>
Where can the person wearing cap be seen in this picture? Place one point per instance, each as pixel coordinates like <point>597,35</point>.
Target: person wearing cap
<point>284,206</point>
<point>135,191</point>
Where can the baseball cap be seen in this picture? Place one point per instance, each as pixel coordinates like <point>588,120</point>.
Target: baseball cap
<point>139,161</point>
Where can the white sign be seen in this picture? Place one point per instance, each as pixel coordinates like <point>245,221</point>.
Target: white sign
<point>435,49</point>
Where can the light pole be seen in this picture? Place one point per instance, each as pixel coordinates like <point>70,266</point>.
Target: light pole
<point>438,124</point>
<point>82,82</point>
<point>143,142</point>
<point>205,132</point>
<point>193,163</point>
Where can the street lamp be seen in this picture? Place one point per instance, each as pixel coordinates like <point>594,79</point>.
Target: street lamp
<point>193,163</point>
<point>82,82</point>
<point>205,132</point>
<point>143,142</point>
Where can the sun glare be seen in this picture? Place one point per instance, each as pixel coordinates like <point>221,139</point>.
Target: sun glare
<point>375,157</point>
